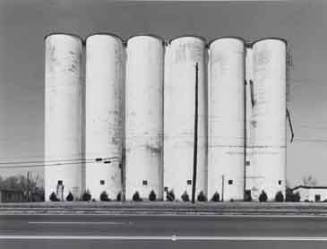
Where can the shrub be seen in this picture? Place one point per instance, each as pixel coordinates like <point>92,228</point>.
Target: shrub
<point>104,196</point>
<point>293,197</point>
<point>118,198</point>
<point>279,197</point>
<point>136,196</point>
<point>170,195</point>
<point>202,197</point>
<point>70,197</point>
<point>152,196</point>
<point>296,197</point>
<point>53,197</point>
<point>185,196</point>
<point>289,195</point>
<point>215,197</point>
<point>231,200</point>
<point>263,196</point>
<point>86,196</point>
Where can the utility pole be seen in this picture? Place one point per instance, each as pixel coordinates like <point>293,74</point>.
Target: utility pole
<point>28,185</point>
<point>246,123</point>
<point>195,150</point>
<point>222,187</point>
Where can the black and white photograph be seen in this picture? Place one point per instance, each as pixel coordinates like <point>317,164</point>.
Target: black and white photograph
<point>163,124</point>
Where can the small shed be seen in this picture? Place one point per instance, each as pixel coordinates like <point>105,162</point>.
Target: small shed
<point>311,193</point>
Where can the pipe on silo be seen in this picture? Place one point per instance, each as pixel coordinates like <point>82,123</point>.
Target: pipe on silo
<point>144,116</point>
<point>63,115</point>
<point>269,116</point>
<point>182,54</point>
<point>105,56</point>
<point>226,118</point>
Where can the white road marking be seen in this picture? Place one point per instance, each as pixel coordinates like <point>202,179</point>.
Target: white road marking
<point>172,238</point>
<point>80,222</point>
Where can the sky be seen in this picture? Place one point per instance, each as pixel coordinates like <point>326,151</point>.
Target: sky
<point>24,23</point>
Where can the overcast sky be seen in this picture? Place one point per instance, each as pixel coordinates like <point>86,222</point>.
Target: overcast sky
<point>23,24</point>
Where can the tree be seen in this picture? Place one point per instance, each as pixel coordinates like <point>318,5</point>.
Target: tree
<point>263,196</point>
<point>32,187</point>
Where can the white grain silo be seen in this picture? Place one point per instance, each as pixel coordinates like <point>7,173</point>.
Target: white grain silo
<point>179,112</point>
<point>104,128</point>
<point>63,115</point>
<point>252,179</point>
<point>269,115</point>
<point>144,116</point>
<point>226,118</point>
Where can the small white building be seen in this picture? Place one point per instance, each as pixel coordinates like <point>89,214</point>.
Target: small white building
<point>311,193</point>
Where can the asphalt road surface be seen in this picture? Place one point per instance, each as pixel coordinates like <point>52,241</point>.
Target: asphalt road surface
<point>156,232</point>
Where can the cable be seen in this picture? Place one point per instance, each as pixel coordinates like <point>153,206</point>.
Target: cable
<point>44,163</point>
<point>51,165</point>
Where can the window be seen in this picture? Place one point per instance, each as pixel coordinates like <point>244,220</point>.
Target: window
<point>145,182</point>
<point>280,182</point>
<point>59,182</point>
<point>102,182</point>
<point>189,182</point>
<point>247,163</point>
<point>230,182</point>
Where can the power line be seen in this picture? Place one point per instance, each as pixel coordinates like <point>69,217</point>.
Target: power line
<point>29,165</point>
<point>54,160</point>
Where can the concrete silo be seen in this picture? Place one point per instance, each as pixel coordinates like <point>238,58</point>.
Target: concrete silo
<point>179,112</point>
<point>105,55</point>
<point>63,115</point>
<point>226,168</point>
<point>252,178</point>
<point>144,116</point>
<point>269,116</point>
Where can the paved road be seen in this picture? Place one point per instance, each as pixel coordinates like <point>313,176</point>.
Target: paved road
<point>103,231</point>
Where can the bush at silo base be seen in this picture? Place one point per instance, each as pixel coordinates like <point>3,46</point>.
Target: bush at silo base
<point>279,197</point>
<point>104,196</point>
<point>53,197</point>
<point>136,196</point>
<point>202,197</point>
<point>215,197</point>
<point>152,196</point>
<point>70,197</point>
<point>86,196</point>
<point>185,197</point>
